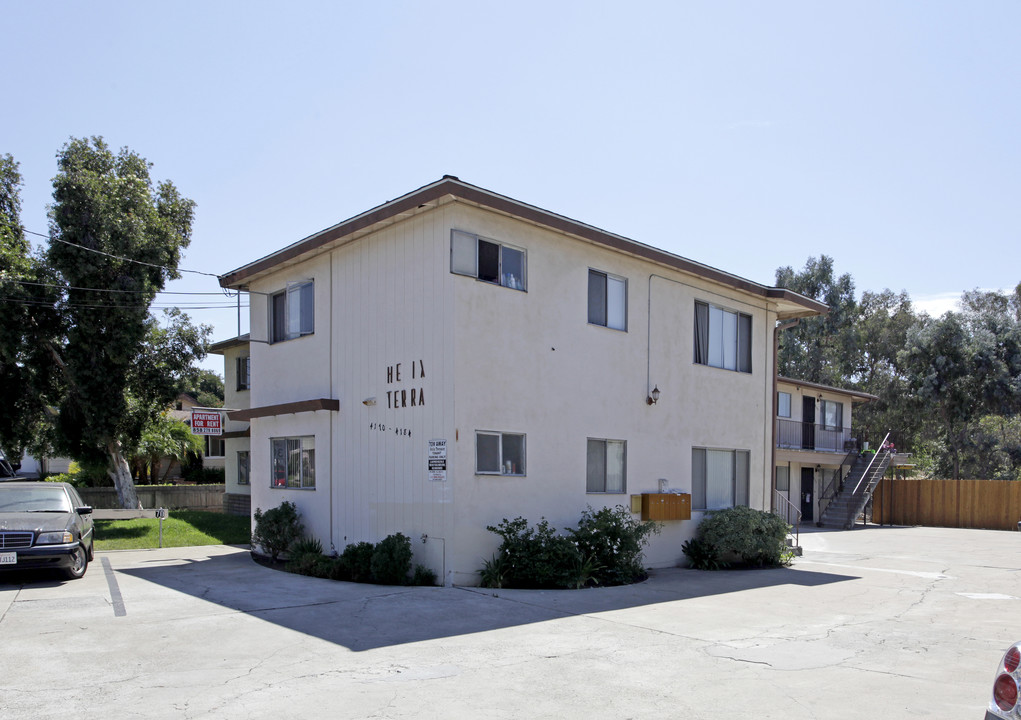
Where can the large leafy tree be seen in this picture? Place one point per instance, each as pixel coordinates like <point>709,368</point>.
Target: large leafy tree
<point>27,298</point>
<point>881,328</point>
<point>115,240</point>
<point>820,349</point>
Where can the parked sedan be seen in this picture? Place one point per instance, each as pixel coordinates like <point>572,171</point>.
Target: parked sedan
<point>44,525</point>
<point>1004,704</point>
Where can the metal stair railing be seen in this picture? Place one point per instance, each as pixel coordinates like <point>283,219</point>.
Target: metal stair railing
<point>833,489</point>
<point>860,495</point>
<point>789,512</point>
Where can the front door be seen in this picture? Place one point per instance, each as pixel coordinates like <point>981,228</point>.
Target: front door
<point>808,423</point>
<point>807,490</point>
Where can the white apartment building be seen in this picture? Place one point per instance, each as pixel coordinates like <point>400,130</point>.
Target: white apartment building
<point>454,357</point>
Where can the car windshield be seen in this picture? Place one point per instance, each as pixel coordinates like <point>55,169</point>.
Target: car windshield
<point>34,499</point>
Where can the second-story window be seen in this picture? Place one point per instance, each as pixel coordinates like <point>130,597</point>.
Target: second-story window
<point>832,415</point>
<point>488,260</point>
<point>292,312</point>
<point>244,372</point>
<point>783,404</point>
<point>723,338</point>
<point>607,300</point>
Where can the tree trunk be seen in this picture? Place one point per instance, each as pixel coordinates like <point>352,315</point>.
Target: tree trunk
<point>121,474</point>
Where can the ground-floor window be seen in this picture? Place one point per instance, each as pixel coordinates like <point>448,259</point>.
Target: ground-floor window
<point>783,478</point>
<point>499,453</point>
<point>719,478</point>
<point>242,467</point>
<point>293,462</point>
<point>606,466</point>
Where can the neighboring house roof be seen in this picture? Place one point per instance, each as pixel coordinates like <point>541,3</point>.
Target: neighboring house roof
<point>856,396</point>
<point>218,348</point>
<point>450,189</point>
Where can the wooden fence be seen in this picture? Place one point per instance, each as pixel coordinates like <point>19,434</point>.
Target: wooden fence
<point>987,504</point>
<point>173,497</point>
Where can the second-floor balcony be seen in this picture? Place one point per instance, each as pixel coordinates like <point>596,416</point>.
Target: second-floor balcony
<point>797,435</point>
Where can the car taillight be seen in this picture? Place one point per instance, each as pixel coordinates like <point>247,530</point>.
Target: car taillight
<point>1005,692</point>
<point>1012,659</point>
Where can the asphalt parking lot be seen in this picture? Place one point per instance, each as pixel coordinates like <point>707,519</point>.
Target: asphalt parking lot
<point>877,622</point>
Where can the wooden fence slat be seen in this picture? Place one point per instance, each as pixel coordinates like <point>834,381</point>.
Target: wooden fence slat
<point>986,504</point>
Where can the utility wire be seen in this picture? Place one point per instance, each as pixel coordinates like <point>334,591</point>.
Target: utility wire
<point>110,255</point>
<point>108,290</point>
<point>43,303</point>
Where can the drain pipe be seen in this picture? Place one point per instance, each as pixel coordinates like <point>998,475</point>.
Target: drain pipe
<point>772,404</point>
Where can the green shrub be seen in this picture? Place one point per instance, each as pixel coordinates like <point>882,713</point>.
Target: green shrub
<point>391,560</point>
<point>203,475</point>
<point>423,576</point>
<point>755,536</point>
<point>536,557</point>
<point>304,556</point>
<point>84,475</point>
<point>357,559</point>
<point>277,529</point>
<point>611,541</point>
<point>702,555</point>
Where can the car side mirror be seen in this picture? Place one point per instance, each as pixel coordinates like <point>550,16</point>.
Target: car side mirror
<point>84,510</point>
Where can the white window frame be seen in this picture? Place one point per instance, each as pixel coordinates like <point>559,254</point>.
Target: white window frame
<point>246,465</point>
<point>210,439</point>
<point>304,464</point>
<point>464,260</point>
<point>824,407</point>
<point>597,474</point>
<point>502,467</point>
<point>720,478</point>
<point>720,342</point>
<point>298,313</point>
<point>780,395</point>
<point>613,300</point>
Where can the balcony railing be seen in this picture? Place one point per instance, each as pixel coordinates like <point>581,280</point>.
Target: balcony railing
<point>796,435</point>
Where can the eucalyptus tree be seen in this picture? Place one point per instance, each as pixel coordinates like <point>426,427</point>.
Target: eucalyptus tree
<point>27,316</point>
<point>115,241</point>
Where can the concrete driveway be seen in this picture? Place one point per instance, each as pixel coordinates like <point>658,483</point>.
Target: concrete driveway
<point>878,622</point>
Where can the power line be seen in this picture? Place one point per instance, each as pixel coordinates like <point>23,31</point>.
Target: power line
<point>110,255</point>
<point>108,290</point>
<point>114,306</point>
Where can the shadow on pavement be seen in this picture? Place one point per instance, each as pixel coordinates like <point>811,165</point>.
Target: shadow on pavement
<point>363,617</point>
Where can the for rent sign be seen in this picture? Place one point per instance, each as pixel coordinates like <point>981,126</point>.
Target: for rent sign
<point>205,423</point>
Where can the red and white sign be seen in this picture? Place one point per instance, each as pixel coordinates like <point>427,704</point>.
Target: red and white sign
<point>206,423</point>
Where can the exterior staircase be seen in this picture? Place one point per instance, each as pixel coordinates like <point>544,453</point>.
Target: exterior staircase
<point>857,489</point>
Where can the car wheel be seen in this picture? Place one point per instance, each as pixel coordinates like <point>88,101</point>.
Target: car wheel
<point>79,564</point>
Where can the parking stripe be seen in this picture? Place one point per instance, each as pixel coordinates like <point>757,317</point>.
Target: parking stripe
<point>115,590</point>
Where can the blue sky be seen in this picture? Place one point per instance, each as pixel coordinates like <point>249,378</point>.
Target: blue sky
<point>743,135</point>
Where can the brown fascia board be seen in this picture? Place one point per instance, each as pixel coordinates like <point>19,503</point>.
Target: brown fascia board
<point>218,348</point>
<point>290,408</point>
<point>455,188</point>
<point>856,395</point>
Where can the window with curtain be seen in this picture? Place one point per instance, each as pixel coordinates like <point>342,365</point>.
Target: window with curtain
<point>292,312</point>
<point>607,300</point>
<point>242,467</point>
<point>244,372</point>
<point>606,466</point>
<point>723,339</point>
<point>783,404</point>
<point>832,415</point>
<point>293,462</point>
<point>719,478</point>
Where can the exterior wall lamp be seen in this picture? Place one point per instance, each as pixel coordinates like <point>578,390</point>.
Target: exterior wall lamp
<point>653,396</point>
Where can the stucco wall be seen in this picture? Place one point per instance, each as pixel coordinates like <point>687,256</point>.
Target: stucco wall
<point>390,317</point>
